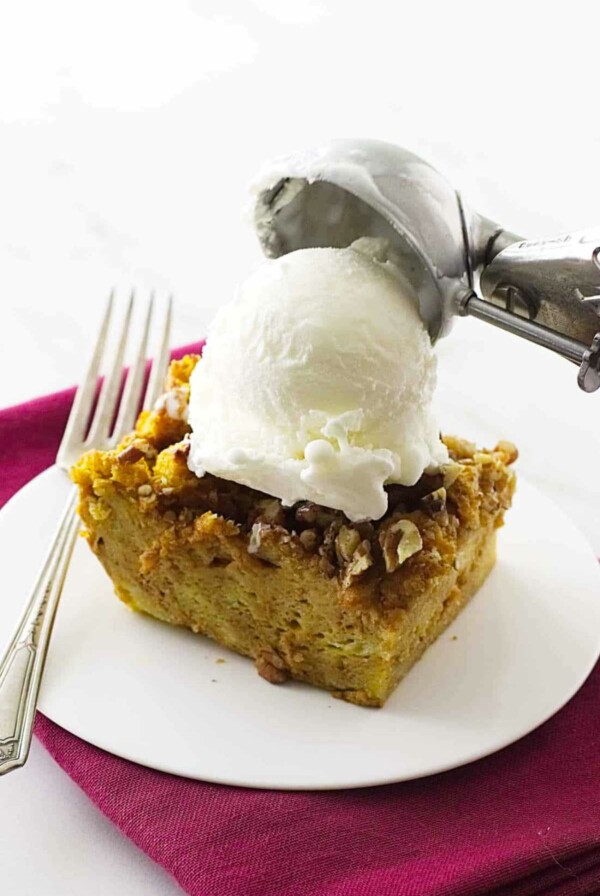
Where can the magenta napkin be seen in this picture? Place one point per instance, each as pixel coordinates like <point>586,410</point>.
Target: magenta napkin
<point>525,821</point>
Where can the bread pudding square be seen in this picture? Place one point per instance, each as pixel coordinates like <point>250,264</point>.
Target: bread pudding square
<point>309,595</point>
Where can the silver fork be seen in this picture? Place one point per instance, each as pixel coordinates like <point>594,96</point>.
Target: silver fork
<point>22,665</point>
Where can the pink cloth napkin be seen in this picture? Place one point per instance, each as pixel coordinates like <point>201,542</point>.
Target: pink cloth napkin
<point>525,821</point>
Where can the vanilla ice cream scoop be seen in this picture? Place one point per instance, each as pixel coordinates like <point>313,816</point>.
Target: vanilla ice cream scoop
<point>316,382</point>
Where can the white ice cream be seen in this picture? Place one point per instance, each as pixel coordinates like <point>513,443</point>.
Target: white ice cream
<point>316,382</point>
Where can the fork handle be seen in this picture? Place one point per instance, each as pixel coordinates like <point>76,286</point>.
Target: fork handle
<point>22,665</point>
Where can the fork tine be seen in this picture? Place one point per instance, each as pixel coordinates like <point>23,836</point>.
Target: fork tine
<point>160,364</point>
<point>135,382</point>
<point>84,397</point>
<point>109,394</point>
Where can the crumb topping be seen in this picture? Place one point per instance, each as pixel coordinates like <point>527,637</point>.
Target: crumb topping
<point>416,537</point>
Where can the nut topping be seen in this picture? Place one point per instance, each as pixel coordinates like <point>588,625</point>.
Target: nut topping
<point>360,562</point>
<point>264,537</point>
<point>410,540</point>
<point>310,514</point>
<point>130,455</point>
<point>270,666</point>
<point>346,543</point>
<point>135,451</point>
<point>451,473</point>
<point>435,502</point>
<point>399,542</point>
<point>508,451</point>
<point>309,539</point>
<point>271,511</point>
<point>182,449</point>
<point>256,536</point>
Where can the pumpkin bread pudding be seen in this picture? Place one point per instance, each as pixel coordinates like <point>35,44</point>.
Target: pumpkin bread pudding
<point>308,594</point>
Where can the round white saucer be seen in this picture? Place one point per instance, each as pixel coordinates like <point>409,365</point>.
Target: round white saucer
<point>174,701</point>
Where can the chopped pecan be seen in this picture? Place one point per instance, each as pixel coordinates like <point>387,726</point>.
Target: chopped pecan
<point>329,559</point>
<point>182,449</point>
<point>410,540</point>
<point>435,502</point>
<point>310,514</point>
<point>330,534</point>
<point>271,511</point>
<point>306,513</point>
<point>451,472</point>
<point>399,541</point>
<point>136,449</point>
<point>361,560</point>
<point>256,536</point>
<point>459,449</point>
<point>309,539</point>
<point>346,542</point>
<point>265,541</point>
<point>508,451</point>
<point>270,666</point>
<point>130,455</point>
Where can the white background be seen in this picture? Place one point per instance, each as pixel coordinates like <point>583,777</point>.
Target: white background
<point>128,133</point>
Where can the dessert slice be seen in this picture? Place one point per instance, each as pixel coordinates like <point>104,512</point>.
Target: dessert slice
<point>305,592</point>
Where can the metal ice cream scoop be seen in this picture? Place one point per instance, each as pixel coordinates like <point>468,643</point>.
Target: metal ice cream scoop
<point>546,290</point>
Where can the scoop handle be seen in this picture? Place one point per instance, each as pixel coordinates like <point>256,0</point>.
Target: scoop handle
<point>587,357</point>
<point>554,281</point>
<point>545,290</point>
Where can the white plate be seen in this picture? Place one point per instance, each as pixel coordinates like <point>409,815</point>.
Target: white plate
<point>161,697</point>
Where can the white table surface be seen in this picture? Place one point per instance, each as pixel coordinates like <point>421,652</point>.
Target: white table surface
<point>128,133</point>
